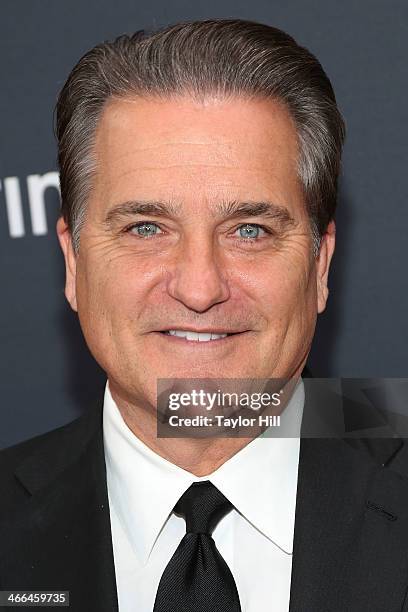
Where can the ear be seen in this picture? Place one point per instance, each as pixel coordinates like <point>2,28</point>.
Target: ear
<point>323,264</point>
<point>65,240</point>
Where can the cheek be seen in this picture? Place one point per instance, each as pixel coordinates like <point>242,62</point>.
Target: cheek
<point>285,289</point>
<point>112,293</point>
<point>108,301</point>
<point>302,311</point>
<point>98,290</point>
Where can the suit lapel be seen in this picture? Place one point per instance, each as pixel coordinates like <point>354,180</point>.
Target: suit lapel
<point>61,537</point>
<point>351,526</point>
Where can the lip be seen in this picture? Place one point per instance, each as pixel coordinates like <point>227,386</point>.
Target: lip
<point>216,330</point>
<point>196,344</point>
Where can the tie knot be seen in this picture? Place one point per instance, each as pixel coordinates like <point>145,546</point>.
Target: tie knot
<point>202,506</point>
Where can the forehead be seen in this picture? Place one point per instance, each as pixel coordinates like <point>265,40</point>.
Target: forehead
<point>178,145</point>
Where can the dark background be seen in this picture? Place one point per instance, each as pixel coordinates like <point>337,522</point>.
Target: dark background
<point>47,376</point>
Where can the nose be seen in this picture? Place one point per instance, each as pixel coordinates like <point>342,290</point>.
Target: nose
<point>197,278</point>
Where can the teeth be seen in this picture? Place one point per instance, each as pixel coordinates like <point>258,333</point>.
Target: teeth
<point>195,336</point>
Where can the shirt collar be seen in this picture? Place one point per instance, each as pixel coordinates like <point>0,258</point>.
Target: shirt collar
<point>260,480</point>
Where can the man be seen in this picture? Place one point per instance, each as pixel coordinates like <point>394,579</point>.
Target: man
<point>198,170</point>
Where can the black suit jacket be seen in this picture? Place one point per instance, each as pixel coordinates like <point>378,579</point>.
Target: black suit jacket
<point>351,526</point>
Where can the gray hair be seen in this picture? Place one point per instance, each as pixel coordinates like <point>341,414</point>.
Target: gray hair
<point>225,57</point>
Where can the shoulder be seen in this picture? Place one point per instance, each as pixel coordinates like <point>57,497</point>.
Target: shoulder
<point>12,456</point>
<point>26,466</point>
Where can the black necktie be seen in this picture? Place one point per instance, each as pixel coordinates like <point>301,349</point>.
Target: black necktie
<point>197,579</point>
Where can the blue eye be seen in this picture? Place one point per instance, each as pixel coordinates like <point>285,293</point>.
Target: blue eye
<point>250,230</point>
<point>145,229</point>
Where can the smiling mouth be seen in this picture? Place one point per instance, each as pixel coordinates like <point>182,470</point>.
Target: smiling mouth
<point>193,336</point>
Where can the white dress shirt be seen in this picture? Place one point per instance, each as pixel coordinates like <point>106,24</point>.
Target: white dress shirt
<point>255,538</point>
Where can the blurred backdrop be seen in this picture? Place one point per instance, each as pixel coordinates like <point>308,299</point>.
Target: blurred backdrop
<point>47,376</point>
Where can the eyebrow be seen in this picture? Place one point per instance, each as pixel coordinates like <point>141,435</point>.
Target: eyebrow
<point>228,210</point>
<point>269,210</point>
<point>140,207</point>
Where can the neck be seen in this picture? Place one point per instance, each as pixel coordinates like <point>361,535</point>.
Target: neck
<point>199,456</point>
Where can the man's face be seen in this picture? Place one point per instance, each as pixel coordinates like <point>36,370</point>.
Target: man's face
<point>196,222</point>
